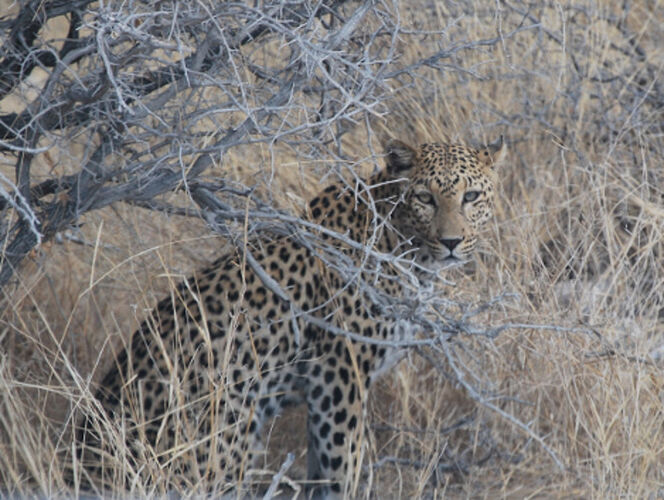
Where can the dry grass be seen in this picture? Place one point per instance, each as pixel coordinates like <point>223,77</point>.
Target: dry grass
<point>578,236</point>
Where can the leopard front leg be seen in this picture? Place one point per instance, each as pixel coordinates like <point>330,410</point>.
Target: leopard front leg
<point>336,405</point>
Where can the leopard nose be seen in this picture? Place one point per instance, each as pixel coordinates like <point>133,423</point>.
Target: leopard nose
<point>451,243</point>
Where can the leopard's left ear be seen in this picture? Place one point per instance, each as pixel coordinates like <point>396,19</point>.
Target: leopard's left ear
<point>400,157</point>
<point>494,154</point>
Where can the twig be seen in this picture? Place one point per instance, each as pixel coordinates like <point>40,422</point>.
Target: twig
<point>276,479</point>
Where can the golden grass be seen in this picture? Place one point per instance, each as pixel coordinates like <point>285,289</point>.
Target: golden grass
<point>580,242</point>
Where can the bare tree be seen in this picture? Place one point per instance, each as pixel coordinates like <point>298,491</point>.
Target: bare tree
<point>133,83</point>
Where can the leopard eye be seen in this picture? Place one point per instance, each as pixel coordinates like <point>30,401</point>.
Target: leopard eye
<point>470,196</point>
<point>425,197</point>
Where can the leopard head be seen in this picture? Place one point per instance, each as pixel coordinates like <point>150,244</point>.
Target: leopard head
<point>446,196</point>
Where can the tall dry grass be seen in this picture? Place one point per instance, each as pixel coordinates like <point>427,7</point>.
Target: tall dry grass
<point>577,236</point>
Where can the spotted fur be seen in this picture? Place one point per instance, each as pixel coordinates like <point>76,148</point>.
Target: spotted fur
<point>223,352</point>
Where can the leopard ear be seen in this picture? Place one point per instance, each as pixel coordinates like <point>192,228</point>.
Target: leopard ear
<point>494,154</point>
<point>400,157</point>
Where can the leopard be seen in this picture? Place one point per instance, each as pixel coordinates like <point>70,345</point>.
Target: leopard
<point>274,322</point>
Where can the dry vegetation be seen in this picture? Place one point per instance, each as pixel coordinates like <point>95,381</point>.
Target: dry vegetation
<point>576,248</point>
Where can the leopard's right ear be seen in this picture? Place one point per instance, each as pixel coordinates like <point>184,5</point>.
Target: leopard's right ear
<point>494,154</point>
<point>400,157</point>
